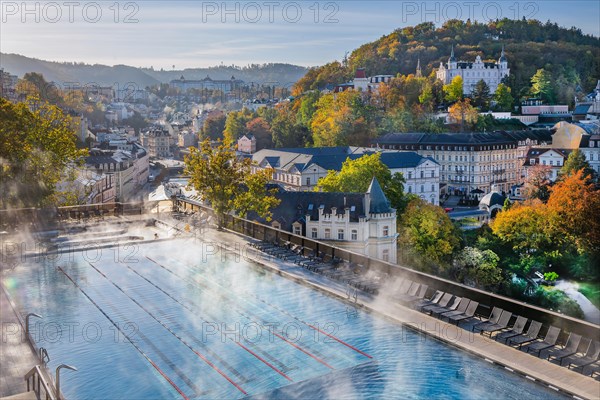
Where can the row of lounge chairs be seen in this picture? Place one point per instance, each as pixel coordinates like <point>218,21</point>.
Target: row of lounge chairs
<point>332,267</point>
<point>441,305</point>
<point>578,353</point>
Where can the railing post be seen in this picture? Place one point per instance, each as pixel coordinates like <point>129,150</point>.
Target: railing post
<point>58,377</point>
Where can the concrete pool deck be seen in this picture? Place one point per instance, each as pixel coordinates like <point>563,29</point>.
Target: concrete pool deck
<point>16,355</point>
<point>530,367</point>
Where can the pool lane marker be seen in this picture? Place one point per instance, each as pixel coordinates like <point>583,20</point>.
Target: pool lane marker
<point>206,360</point>
<point>160,371</point>
<point>197,284</point>
<point>264,361</point>
<point>340,340</point>
<point>288,314</point>
<point>189,309</point>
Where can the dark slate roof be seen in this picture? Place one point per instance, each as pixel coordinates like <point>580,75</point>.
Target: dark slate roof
<point>536,152</point>
<point>273,161</point>
<point>294,206</point>
<point>541,135</point>
<point>444,138</point>
<point>588,128</point>
<point>469,65</point>
<point>332,158</point>
<point>379,203</point>
<point>581,109</point>
<point>407,159</point>
<point>313,151</point>
<point>492,199</point>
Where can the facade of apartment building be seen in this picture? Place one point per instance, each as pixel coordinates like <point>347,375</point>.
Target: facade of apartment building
<point>130,169</point>
<point>566,138</point>
<point>467,161</point>
<point>158,142</point>
<point>301,168</point>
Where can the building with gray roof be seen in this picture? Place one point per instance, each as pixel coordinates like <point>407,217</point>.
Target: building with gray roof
<point>301,168</point>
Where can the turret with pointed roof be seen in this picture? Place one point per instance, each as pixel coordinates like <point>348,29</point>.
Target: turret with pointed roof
<point>419,73</point>
<point>452,58</point>
<point>502,56</point>
<point>377,203</point>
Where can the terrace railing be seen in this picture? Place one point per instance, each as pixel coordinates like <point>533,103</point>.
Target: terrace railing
<point>486,299</point>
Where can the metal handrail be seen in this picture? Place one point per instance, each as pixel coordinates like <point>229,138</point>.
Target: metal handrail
<point>27,320</point>
<point>58,377</point>
<point>44,357</point>
<point>36,374</point>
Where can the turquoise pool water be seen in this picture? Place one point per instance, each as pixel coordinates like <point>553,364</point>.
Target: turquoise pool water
<point>161,321</point>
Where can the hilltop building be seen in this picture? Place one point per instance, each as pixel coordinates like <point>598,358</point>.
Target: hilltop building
<point>224,85</point>
<point>363,83</point>
<point>473,72</point>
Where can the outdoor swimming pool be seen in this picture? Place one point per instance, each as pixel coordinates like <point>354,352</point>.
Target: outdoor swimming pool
<point>161,320</point>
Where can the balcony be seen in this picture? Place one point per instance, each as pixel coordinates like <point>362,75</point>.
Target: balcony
<point>499,171</point>
<point>459,181</point>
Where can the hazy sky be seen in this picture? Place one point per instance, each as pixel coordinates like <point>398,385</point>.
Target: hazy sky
<point>206,33</point>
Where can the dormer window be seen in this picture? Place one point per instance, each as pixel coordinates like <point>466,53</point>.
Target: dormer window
<point>297,229</point>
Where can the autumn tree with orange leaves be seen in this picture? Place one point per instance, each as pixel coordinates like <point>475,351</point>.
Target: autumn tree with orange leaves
<point>565,231</point>
<point>573,209</point>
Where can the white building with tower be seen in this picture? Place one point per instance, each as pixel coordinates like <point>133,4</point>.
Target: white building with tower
<point>364,223</point>
<point>473,72</point>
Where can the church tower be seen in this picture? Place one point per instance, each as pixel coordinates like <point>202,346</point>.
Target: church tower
<point>502,61</point>
<point>418,73</point>
<point>452,60</point>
